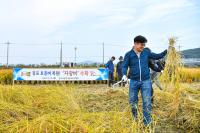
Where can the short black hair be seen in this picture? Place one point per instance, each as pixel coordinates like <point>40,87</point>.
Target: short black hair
<point>113,57</point>
<point>140,39</point>
<point>121,58</point>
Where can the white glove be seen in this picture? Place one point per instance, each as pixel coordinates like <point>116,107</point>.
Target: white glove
<point>124,78</point>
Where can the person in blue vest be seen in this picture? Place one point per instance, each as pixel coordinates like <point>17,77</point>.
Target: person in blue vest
<point>137,60</point>
<point>110,66</point>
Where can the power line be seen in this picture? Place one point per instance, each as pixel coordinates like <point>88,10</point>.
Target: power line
<point>80,44</point>
<point>89,56</point>
<point>65,44</point>
<point>77,44</point>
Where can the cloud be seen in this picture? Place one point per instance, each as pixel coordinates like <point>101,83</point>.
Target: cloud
<point>134,13</point>
<point>57,12</point>
<point>116,18</point>
<point>46,16</point>
<point>84,21</point>
<point>157,10</point>
<point>42,16</point>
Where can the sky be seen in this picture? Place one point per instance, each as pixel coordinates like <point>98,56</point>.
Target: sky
<point>36,28</point>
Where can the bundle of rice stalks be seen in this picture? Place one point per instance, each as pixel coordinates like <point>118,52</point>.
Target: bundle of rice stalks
<point>172,73</point>
<point>173,65</point>
<point>181,105</point>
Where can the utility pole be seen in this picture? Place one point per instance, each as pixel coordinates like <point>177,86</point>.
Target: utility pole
<point>61,56</point>
<point>179,48</point>
<point>103,52</point>
<point>75,49</point>
<point>7,62</point>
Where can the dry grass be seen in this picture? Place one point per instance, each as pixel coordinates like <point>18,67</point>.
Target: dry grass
<point>91,109</point>
<point>50,108</point>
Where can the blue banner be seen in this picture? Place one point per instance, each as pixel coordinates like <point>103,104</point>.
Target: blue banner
<point>21,74</point>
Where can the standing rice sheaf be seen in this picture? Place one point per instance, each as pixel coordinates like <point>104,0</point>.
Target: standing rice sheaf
<point>173,65</point>
<point>180,106</point>
<point>171,75</point>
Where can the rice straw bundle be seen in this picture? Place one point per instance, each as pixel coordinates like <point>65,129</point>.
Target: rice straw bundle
<point>172,73</point>
<point>173,64</point>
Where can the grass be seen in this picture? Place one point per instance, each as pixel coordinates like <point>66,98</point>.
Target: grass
<point>50,108</point>
<point>91,109</point>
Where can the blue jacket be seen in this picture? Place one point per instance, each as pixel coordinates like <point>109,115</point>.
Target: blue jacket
<point>139,67</point>
<point>110,66</point>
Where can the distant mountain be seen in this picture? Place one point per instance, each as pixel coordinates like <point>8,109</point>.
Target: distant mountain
<point>191,53</point>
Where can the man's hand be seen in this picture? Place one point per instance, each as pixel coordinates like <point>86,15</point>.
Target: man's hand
<point>165,51</point>
<point>124,78</point>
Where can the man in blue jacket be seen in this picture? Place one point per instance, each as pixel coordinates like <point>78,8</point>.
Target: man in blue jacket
<point>137,60</point>
<point>110,66</point>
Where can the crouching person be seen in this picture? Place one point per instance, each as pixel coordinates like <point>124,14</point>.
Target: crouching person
<point>137,60</point>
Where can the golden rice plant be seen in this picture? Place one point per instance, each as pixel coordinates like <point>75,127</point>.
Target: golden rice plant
<point>173,64</point>
<point>190,75</point>
<point>172,74</point>
<point>6,76</point>
<point>89,109</point>
<point>59,108</point>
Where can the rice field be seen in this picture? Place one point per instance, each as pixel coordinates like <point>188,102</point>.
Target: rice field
<point>92,109</point>
<point>97,108</point>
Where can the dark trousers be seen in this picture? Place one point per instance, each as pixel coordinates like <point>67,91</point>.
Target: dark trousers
<point>111,78</point>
